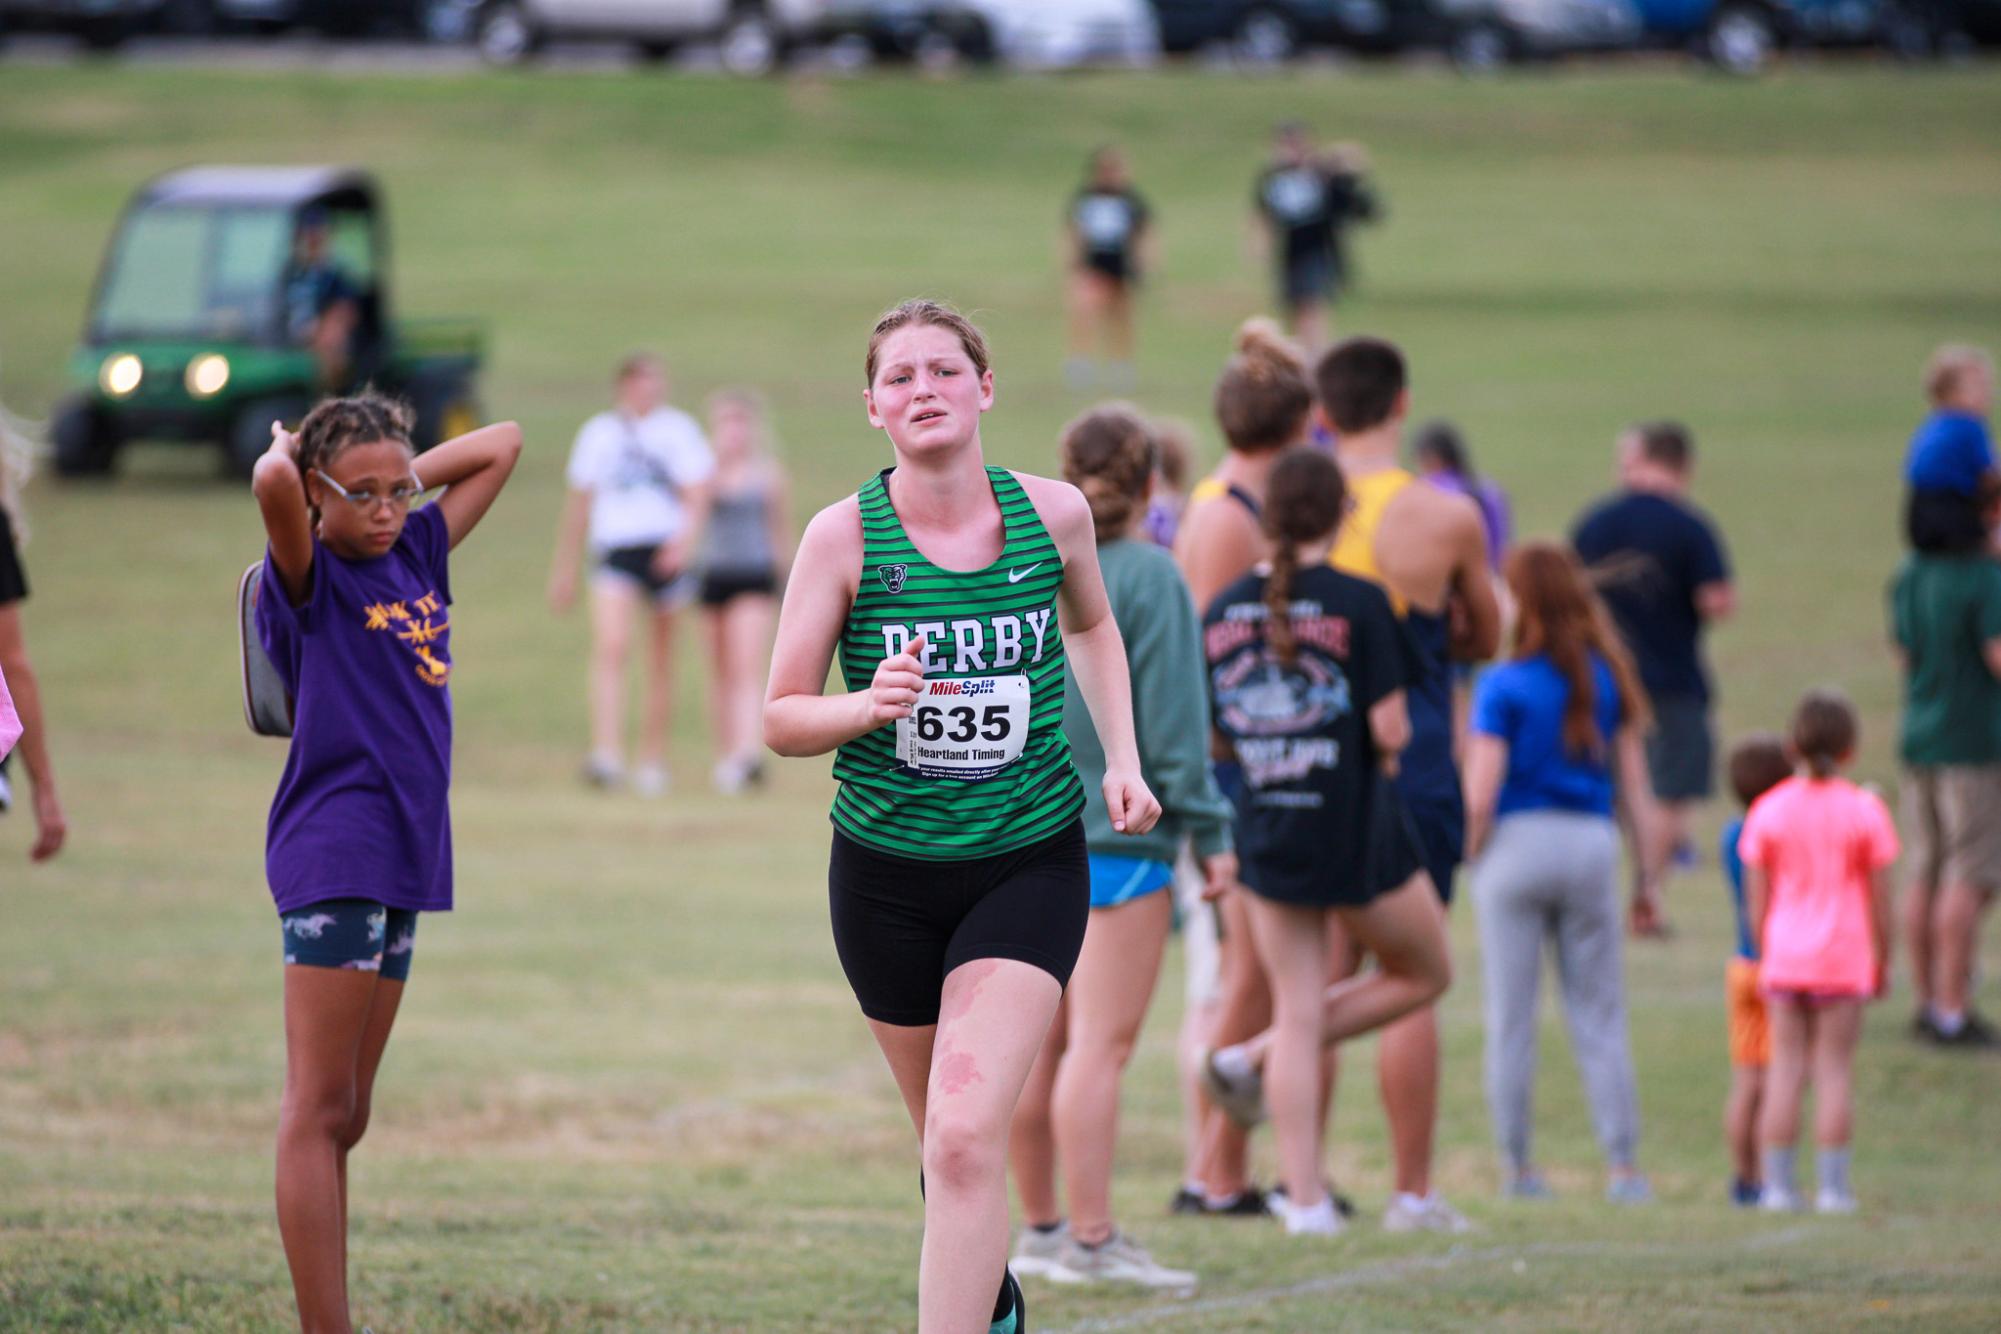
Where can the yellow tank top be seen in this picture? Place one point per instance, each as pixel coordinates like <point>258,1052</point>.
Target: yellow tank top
<point>1355,545</point>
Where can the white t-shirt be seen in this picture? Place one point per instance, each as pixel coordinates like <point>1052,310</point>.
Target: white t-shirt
<point>635,471</point>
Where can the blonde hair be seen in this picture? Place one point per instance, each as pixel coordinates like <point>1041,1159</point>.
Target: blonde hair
<point>924,312</point>
<point>763,443</point>
<point>1949,363</point>
<point>18,448</point>
<point>1262,397</point>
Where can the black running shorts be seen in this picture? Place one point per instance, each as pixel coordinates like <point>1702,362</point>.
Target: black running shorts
<point>902,925</point>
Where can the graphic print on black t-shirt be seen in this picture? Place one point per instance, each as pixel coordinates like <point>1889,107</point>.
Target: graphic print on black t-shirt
<point>1107,221</point>
<point>1301,732</point>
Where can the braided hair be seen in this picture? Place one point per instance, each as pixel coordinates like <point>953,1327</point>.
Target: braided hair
<point>339,424</point>
<point>1304,501</point>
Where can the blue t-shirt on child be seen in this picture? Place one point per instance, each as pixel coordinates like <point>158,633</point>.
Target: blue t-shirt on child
<point>361,809</point>
<point>1733,875</point>
<point>1522,703</point>
<point>1949,452</point>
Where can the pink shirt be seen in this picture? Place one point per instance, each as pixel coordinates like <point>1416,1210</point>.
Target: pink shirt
<point>1818,841</point>
<point>10,723</point>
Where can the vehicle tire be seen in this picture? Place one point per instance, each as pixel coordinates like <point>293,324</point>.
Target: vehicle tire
<point>975,42</point>
<point>86,442</point>
<point>1480,48</point>
<point>1265,36</point>
<point>654,52</point>
<point>504,34</point>
<point>750,45</point>
<point>250,431</point>
<point>445,407</point>
<point>105,35</point>
<point>1741,39</point>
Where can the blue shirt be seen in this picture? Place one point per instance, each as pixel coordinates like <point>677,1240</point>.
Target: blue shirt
<point>1949,452</point>
<point>1733,876</point>
<point>1648,554</point>
<point>1522,703</point>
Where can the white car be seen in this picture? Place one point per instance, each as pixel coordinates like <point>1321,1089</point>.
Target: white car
<point>1062,34</point>
<point>751,36</point>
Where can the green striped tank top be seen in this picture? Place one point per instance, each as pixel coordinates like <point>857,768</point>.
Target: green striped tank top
<point>981,767</point>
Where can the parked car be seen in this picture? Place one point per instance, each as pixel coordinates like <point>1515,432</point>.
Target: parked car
<point>1742,35</point>
<point>1271,31</point>
<point>101,25</point>
<point>1481,35</point>
<point>752,36</point>
<point>1033,34</point>
<point>187,339</point>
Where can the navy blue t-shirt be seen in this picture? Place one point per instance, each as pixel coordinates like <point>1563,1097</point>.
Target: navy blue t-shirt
<point>1648,554</point>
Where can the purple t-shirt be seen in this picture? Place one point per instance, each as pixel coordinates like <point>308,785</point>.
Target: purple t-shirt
<point>361,808</point>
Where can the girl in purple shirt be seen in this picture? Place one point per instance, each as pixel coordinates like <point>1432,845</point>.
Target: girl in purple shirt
<point>354,611</point>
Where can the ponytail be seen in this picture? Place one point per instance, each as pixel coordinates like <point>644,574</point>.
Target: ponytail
<point>1304,501</point>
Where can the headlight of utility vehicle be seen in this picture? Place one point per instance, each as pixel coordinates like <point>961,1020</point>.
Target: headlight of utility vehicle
<point>207,374</point>
<point>121,374</point>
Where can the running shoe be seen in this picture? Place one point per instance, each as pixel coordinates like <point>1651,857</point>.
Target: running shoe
<point>1744,1194</point>
<point>1187,1200</point>
<point>1343,1205</point>
<point>1235,1085</point>
<point>1409,1213</point>
<point>1974,1032</point>
<point>1526,1184</point>
<point>650,780</point>
<point>1250,1202</point>
<point>1632,1188</point>
<point>1016,1320</point>
<point>1315,1220</point>
<point>1834,1202</point>
<point>6,794</point>
<point>1778,1200</point>
<point>1117,1259</point>
<point>602,772</point>
<point>1035,1251</point>
<point>1923,1027</point>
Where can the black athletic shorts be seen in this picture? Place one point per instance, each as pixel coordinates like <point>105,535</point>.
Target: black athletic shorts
<point>722,587</point>
<point>902,925</point>
<point>1116,265</point>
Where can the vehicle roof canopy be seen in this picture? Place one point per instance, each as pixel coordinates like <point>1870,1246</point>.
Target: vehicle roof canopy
<point>294,187</point>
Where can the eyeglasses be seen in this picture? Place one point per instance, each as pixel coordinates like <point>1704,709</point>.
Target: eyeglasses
<point>400,497</point>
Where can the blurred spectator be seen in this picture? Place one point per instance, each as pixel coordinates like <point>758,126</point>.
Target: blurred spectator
<point>1108,227</point>
<point>1946,616</point>
<point>1438,451</point>
<point>1174,450</point>
<point>746,551</point>
<point>51,828</point>
<point>1950,468</point>
<point>639,479</point>
<point>321,308</point>
<point>1661,568</point>
<point>1305,204</point>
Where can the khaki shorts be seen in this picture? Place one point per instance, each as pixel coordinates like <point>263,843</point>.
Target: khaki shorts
<point>1952,817</point>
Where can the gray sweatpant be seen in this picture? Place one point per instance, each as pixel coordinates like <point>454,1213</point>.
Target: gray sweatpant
<point>1553,876</point>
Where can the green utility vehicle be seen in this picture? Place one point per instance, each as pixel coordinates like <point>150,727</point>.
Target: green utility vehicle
<point>191,335</point>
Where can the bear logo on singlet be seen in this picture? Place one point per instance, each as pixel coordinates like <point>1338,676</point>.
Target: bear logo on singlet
<point>893,576</point>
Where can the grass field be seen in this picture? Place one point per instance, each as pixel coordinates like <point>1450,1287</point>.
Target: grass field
<point>629,1089</point>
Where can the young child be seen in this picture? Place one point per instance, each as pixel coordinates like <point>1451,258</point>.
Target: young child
<point>1758,764</point>
<point>1950,470</point>
<point>354,613</point>
<point>1817,854</point>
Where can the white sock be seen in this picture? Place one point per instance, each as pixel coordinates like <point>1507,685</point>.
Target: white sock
<point>1313,1218</point>
<point>1410,1201</point>
<point>1947,1022</point>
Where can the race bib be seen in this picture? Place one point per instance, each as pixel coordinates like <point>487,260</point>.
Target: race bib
<point>969,728</point>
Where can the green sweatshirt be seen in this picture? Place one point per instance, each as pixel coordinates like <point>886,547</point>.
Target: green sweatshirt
<point>1170,689</point>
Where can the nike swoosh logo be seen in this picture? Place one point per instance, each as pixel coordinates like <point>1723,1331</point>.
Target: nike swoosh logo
<point>1016,576</point>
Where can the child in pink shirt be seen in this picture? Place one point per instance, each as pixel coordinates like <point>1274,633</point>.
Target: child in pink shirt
<point>1817,853</point>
